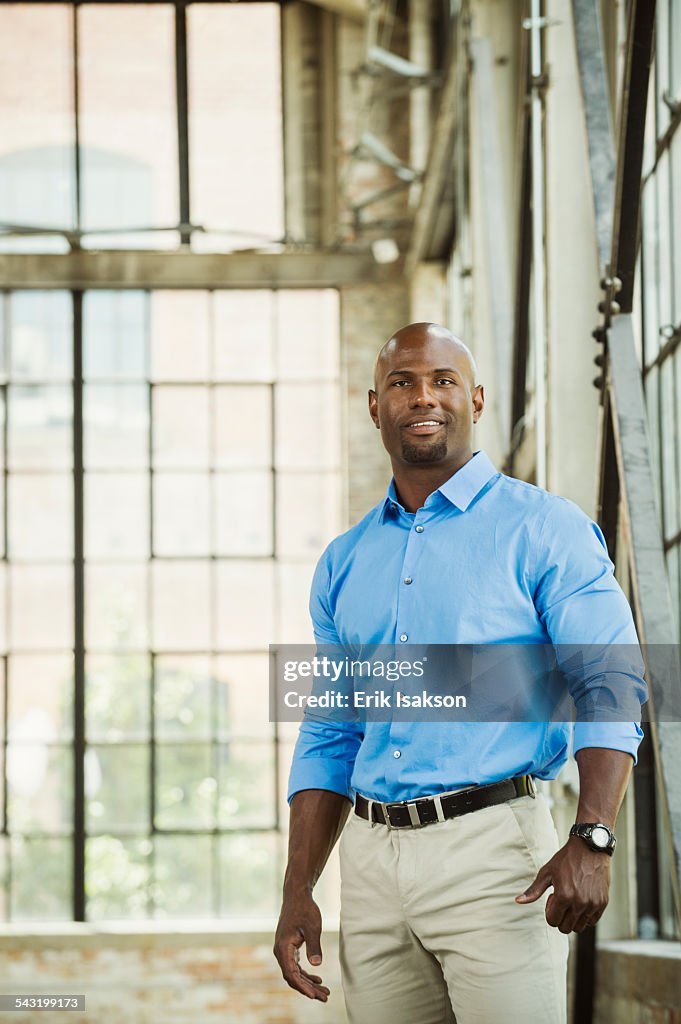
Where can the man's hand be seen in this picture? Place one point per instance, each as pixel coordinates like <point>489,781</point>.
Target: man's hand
<point>300,922</point>
<point>581,880</point>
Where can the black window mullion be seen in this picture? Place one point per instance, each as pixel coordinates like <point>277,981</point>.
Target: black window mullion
<point>79,910</point>
<point>182,118</point>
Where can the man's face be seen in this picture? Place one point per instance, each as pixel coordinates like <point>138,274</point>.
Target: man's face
<point>426,401</point>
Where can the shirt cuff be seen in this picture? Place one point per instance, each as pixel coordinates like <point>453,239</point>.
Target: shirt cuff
<point>624,736</point>
<point>320,773</point>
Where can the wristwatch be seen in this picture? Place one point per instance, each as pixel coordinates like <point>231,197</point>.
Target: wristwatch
<point>596,835</point>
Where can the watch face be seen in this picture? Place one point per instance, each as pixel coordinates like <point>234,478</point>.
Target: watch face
<point>600,837</point>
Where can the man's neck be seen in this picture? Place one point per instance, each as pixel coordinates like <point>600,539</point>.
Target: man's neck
<point>414,482</point>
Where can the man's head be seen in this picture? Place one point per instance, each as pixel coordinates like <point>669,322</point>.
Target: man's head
<point>425,398</point>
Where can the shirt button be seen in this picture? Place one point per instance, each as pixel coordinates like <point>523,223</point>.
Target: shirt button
<point>397,753</point>
<point>404,638</point>
<point>419,529</point>
<point>408,580</point>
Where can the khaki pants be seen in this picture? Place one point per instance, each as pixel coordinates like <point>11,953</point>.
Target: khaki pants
<point>430,931</point>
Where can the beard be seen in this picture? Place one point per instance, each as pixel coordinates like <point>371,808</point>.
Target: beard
<point>424,453</point>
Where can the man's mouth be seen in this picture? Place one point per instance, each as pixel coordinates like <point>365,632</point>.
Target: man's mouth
<point>423,426</point>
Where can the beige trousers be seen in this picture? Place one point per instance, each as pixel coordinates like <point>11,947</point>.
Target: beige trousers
<point>430,931</point>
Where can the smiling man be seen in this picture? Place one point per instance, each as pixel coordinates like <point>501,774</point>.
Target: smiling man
<point>448,856</point>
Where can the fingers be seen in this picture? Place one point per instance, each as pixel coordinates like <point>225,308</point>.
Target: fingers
<point>309,985</point>
<point>536,889</point>
<point>571,915</point>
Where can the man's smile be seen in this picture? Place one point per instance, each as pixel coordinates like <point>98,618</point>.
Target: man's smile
<point>423,426</point>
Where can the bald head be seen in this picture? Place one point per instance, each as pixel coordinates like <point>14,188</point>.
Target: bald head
<point>417,334</point>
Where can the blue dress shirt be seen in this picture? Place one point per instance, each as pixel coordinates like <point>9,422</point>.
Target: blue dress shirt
<point>489,559</point>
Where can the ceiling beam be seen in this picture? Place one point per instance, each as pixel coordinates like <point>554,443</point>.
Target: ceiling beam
<point>439,166</point>
<point>355,9</point>
<point>126,269</point>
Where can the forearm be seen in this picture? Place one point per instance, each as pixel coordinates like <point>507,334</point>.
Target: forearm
<point>603,779</point>
<point>317,820</point>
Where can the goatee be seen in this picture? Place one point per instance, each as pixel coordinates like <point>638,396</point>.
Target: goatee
<point>434,452</point>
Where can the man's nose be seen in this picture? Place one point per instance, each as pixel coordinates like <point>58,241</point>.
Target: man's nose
<point>421,396</point>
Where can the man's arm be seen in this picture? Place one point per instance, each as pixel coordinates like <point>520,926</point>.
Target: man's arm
<point>317,820</point>
<point>580,876</point>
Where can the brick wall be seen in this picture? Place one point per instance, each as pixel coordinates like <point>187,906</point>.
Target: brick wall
<point>149,977</point>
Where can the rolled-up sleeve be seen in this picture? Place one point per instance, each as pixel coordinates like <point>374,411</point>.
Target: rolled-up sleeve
<point>584,610</point>
<point>325,752</point>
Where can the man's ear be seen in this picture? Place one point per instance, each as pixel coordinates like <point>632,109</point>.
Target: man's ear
<point>478,402</point>
<point>373,408</point>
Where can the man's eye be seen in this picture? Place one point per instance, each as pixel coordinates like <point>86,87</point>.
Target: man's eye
<point>445,380</point>
<point>399,383</point>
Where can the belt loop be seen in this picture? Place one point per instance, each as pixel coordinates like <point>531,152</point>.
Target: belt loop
<point>531,787</point>
<point>371,813</point>
<point>438,807</point>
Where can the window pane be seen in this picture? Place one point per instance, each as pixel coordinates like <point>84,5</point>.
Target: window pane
<point>41,607</point>
<point>117,697</point>
<point>186,787</point>
<point>39,787</point>
<point>245,604</point>
<point>40,704</point>
<point>128,148</point>
<point>3,607</point>
<point>307,334</point>
<point>235,146</point>
<point>40,516</point>
<point>49,860</point>
<point>244,323</point>
<point>181,606</point>
<point>250,875</point>
<point>116,426</point>
<point>117,877</point>
<point>41,336</point>
<point>308,513</point>
<point>116,515</point>
<point>4,878</point>
<point>116,607</point>
<point>243,513</point>
<point>675,157</point>
<point>293,620</point>
<point>183,876</point>
<point>183,697</point>
<point>37,144</point>
<point>236,444</point>
<point>179,336</point>
<point>243,695</point>
<point>182,514</point>
<point>115,329</point>
<point>180,427</point>
<point>247,798</point>
<point>307,423</point>
<point>117,788</point>
<point>39,427</point>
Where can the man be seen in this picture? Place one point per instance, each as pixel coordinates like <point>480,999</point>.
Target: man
<point>444,907</point>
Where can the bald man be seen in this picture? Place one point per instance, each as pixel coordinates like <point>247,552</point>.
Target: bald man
<point>448,854</point>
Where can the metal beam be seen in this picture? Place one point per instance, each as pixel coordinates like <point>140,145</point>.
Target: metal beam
<point>599,130</point>
<point>126,269</point>
<point>497,249</point>
<point>439,166</point>
<point>355,9</point>
<point>626,223</point>
<point>650,584</point>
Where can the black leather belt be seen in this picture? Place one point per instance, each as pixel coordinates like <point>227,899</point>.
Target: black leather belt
<point>429,809</point>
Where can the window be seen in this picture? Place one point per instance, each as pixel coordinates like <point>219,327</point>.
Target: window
<point>196,411</point>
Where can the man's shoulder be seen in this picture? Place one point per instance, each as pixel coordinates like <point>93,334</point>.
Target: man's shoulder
<point>530,499</point>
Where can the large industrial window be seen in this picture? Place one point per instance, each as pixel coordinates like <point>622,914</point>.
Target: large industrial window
<point>163,509</point>
<point>140,126</point>
<point>659,284</point>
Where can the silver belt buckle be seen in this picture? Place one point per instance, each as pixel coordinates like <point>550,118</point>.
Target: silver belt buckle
<point>414,815</point>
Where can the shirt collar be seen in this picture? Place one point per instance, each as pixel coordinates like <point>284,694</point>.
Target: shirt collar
<point>461,488</point>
